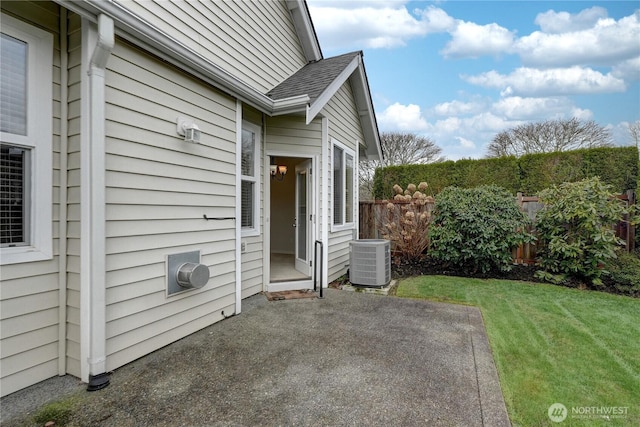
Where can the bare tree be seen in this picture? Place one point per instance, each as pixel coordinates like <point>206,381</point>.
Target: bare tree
<point>634,130</point>
<point>549,136</point>
<point>398,149</point>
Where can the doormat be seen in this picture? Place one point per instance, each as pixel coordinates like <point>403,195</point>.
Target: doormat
<point>285,295</point>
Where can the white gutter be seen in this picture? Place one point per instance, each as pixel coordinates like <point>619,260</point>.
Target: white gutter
<point>93,204</point>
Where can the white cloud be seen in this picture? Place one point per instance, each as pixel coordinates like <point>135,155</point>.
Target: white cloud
<point>563,22</point>
<point>372,24</point>
<point>466,143</point>
<point>535,109</point>
<point>402,117</point>
<point>555,81</point>
<point>606,42</point>
<point>456,108</point>
<point>470,40</point>
<point>628,70</point>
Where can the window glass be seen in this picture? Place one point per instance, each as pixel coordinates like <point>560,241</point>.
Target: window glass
<point>250,185</point>
<point>13,85</point>
<point>338,188</point>
<point>348,189</point>
<point>248,153</point>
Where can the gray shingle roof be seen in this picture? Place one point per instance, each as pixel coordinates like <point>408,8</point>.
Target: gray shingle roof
<point>313,78</point>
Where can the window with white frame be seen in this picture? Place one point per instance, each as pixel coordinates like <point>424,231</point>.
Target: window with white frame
<point>26,58</point>
<point>250,179</point>
<point>343,185</point>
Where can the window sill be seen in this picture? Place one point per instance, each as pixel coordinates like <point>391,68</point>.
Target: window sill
<point>344,227</point>
<point>23,254</point>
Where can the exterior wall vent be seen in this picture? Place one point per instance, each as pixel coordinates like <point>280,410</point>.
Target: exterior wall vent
<point>370,261</point>
<point>184,272</point>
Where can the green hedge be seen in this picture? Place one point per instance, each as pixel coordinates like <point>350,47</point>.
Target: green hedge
<point>617,166</point>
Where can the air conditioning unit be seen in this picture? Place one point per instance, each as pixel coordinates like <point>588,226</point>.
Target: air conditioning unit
<point>370,261</point>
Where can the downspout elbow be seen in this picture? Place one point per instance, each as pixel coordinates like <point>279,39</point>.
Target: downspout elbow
<point>104,45</point>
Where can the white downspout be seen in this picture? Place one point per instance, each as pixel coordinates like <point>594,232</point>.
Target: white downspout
<point>93,201</point>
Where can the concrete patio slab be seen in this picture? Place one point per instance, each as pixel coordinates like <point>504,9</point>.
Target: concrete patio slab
<point>347,359</point>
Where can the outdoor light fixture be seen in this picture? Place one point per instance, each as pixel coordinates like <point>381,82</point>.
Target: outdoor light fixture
<point>187,128</point>
<point>277,171</point>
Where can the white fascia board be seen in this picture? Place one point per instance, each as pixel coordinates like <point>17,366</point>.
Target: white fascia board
<point>322,100</point>
<point>133,28</point>
<point>304,28</point>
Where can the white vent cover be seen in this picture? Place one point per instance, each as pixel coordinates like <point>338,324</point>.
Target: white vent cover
<point>370,261</point>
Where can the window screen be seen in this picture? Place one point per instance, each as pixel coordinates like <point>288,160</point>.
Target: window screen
<point>13,195</point>
<point>247,195</point>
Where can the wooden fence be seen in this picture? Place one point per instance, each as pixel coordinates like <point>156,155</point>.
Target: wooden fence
<point>371,214</point>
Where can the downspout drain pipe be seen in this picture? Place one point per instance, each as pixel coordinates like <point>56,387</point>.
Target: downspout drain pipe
<point>98,377</point>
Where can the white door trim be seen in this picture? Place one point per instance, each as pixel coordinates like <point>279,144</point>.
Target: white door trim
<point>298,284</point>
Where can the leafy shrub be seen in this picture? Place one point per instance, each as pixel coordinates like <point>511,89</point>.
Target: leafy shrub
<point>406,220</point>
<point>623,273</point>
<point>576,229</point>
<point>477,228</point>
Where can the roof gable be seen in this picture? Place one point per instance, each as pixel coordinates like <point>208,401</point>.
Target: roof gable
<point>319,81</point>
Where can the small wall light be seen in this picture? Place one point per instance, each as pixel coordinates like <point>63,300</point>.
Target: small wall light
<point>277,171</point>
<point>187,128</point>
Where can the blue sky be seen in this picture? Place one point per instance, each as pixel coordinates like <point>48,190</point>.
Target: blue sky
<point>459,72</point>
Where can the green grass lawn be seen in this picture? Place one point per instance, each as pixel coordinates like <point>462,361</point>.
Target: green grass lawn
<point>552,345</point>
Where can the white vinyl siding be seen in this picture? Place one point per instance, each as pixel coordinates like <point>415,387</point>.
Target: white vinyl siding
<point>345,127</point>
<point>158,189</point>
<point>29,292</point>
<point>73,198</point>
<point>254,41</point>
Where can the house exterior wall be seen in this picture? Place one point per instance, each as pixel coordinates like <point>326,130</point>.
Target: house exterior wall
<point>344,127</point>
<point>242,37</point>
<point>158,189</point>
<point>29,292</point>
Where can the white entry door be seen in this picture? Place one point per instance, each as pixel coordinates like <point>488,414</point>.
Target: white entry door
<point>303,222</point>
